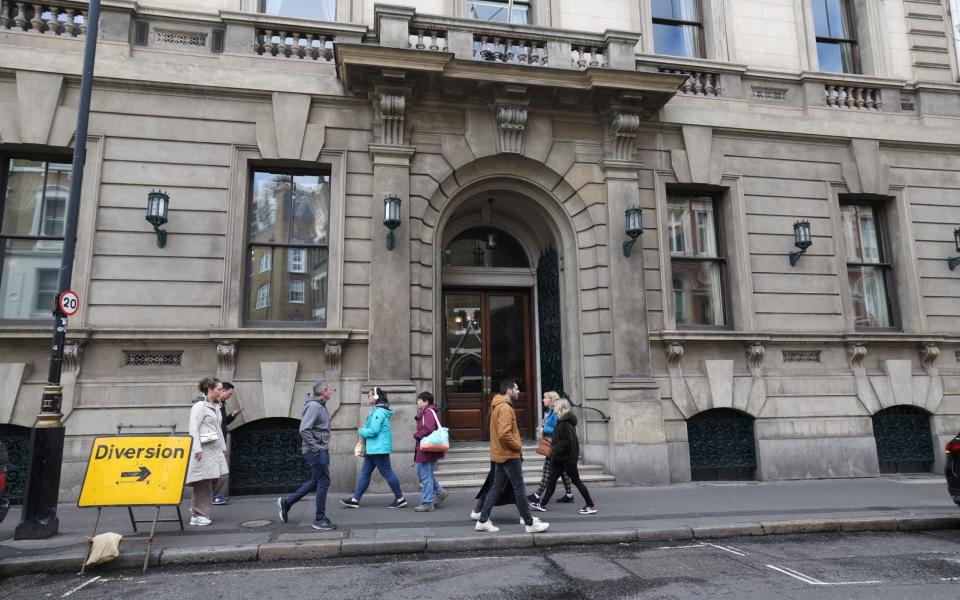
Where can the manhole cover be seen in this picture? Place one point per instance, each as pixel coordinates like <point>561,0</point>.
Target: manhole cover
<point>260,523</point>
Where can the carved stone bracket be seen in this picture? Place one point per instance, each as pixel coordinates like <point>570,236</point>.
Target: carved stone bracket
<point>623,131</point>
<point>674,354</point>
<point>226,360</point>
<point>72,356</point>
<point>755,352</point>
<point>334,356</point>
<point>856,353</point>
<point>392,108</point>
<point>928,355</point>
<point>511,117</point>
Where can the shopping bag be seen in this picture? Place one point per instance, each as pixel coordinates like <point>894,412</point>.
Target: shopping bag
<point>545,447</point>
<point>361,448</point>
<point>438,440</point>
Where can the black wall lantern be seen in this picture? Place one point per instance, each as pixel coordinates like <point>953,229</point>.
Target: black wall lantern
<point>953,261</point>
<point>158,203</point>
<point>391,217</point>
<point>634,227</point>
<point>801,239</point>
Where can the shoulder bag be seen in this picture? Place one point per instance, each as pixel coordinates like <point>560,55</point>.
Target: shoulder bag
<point>545,447</point>
<point>361,448</point>
<point>438,440</point>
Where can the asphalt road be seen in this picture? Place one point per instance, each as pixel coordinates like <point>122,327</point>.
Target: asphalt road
<point>898,566</point>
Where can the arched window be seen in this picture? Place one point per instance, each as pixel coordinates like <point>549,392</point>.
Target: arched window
<point>722,445</point>
<point>904,440</point>
<point>265,457</point>
<point>485,247</point>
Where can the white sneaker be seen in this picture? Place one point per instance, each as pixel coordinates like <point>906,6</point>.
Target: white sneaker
<point>201,521</point>
<point>474,515</point>
<point>488,526</point>
<point>537,527</point>
<point>193,520</point>
<point>535,520</point>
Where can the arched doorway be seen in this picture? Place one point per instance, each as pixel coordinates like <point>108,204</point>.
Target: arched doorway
<point>265,457</point>
<point>16,444</point>
<point>722,446</point>
<point>904,440</point>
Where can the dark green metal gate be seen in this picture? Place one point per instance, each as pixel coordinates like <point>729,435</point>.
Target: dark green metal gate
<point>265,457</point>
<point>16,442</point>
<point>904,439</point>
<point>548,315</point>
<point>722,446</point>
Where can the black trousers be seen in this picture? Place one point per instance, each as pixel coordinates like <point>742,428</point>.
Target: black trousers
<point>570,468</point>
<point>510,471</point>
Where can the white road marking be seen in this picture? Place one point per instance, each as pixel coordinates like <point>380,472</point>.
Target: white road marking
<point>81,586</point>
<point>813,581</point>
<point>679,547</point>
<point>729,549</point>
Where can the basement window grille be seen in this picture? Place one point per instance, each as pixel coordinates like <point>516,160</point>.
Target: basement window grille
<point>141,35</point>
<point>153,359</point>
<point>801,356</point>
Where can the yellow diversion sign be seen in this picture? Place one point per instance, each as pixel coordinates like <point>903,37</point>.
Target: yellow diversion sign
<point>136,471</point>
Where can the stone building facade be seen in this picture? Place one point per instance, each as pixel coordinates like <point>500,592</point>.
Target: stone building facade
<point>515,145</point>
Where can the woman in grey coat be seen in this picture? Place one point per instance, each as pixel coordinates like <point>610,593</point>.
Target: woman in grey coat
<point>208,463</point>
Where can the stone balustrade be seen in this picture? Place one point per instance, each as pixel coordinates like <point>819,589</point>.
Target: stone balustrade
<point>63,18</point>
<point>697,83</point>
<point>850,96</point>
<point>295,43</point>
<point>511,44</point>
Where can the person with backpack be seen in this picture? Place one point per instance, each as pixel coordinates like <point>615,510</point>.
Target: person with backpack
<point>432,494</point>
<point>378,440</point>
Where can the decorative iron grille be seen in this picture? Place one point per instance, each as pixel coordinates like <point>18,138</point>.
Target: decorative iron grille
<point>141,34</point>
<point>166,37</point>
<point>265,457</point>
<point>16,442</point>
<point>548,313</point>
<point>153,359</point>
<point>904,440</point>
<point>801,356</point>
<point>722,445</point>
<point>217,40</point>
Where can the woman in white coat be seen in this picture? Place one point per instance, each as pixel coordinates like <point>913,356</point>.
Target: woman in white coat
<point>208,463</point>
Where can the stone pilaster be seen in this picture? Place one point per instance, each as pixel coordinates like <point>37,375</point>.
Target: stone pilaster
<point>636,438</point>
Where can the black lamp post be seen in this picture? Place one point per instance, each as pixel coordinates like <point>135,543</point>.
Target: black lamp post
<point>801,239</point>
<point>38,519</point>
<point>634,228</point>
<point>391,217</point>
<point>953,261</point>
<point>158,203</point>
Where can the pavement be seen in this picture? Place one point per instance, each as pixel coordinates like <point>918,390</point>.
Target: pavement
<point>249,529</point>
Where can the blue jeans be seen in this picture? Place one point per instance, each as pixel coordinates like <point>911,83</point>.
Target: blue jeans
<point>510,472</point>
<point>319,482</point>
<point>380,462</point>
<point>431,487</point>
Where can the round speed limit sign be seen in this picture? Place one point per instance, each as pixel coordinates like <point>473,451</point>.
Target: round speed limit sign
<point>69,303</point>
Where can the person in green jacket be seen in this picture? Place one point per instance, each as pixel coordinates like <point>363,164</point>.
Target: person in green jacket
<point>379,444</point>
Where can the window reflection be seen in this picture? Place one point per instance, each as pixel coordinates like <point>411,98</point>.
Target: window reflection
<point>325,10</point>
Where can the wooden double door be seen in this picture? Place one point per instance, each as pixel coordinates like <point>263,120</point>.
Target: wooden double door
<point>488,336</point>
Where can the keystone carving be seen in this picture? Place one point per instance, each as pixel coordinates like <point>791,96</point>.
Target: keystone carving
<point>393,113</point>
<point>674,354</point>
<point>928,355</point>
<point>623,130</point>
<point>755,353</point>
<point>511,122</point>
<point>334,356</point>
<point>72,355</point>
<point>226,360</point>
<point>856,352</point>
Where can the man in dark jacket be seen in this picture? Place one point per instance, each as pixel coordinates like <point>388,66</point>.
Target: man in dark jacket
<point>226,418</point>
<point>315,436</point>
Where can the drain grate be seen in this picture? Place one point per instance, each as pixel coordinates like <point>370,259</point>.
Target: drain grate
<point>255,524</point>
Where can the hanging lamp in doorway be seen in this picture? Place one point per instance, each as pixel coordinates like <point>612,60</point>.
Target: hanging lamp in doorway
<point>491,235</point>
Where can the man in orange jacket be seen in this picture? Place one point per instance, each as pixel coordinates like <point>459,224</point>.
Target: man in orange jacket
<point>506,452</point>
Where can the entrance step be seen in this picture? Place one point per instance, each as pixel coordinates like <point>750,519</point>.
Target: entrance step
<point>466,466</point>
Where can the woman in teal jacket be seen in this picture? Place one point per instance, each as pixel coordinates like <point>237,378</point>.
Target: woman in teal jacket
<point>379,444</point>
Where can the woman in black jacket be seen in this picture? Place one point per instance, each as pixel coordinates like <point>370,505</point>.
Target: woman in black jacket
<point>566,453</point>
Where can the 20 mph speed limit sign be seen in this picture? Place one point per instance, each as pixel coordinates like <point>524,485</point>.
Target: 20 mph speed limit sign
<point>69,303</point>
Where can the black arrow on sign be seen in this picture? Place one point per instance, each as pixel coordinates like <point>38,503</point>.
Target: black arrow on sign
<point>142,474</point>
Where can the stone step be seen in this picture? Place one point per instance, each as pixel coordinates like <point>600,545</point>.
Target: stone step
<point>467,482</point>
<point>443,471</point>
